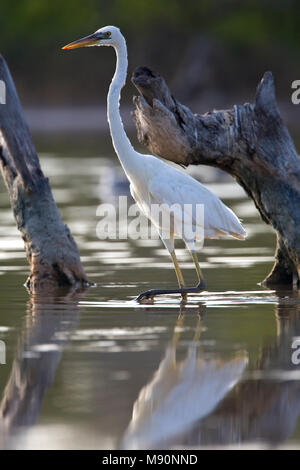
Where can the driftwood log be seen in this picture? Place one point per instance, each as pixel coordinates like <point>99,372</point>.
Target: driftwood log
<point>250,142</point>
<point>51,251</point>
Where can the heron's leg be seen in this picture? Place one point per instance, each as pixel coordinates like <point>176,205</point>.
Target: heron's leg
<point>182,289</point>
<point>150,294</point>
<point>179,275</point>
<point>169,244</point>
<point>190,244</point>
<point>198,269</point>
<point>178,272</point>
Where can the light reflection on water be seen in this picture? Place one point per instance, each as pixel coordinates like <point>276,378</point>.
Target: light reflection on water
<point>96,370</point>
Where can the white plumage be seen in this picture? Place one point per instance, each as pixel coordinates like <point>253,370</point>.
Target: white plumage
<point>178,396</point>
<point>154,182</point>
<point>167,185</point>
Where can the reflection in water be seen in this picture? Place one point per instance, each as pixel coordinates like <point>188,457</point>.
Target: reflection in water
<point>187,403</point>
<point>202,399</point>
<point>37,358</point>
<point>180,393</point>
<point>266,405</point>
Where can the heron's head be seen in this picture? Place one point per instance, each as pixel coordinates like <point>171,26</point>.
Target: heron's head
<point>106,36</point>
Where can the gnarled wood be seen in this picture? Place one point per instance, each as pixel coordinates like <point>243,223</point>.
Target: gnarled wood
<point>250,142</point>
<point>50,248</point>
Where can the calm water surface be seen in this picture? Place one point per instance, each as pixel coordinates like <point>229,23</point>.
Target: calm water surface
<point>94,370</point>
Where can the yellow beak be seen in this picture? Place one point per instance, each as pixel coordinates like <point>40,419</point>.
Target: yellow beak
<point>86,41</point>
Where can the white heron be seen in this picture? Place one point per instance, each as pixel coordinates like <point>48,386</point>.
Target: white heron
<point>154,182</point>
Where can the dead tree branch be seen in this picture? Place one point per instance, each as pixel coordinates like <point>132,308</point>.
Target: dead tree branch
<point>250,142</point>
<point>51,251</point>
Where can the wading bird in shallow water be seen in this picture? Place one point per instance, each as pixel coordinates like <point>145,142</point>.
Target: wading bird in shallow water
<point>155,183</point>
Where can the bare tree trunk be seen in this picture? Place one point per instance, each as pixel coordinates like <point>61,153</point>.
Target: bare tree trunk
<point>250,142</point>
<point>51,251</point>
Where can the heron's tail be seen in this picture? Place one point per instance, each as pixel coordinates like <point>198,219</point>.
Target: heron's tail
<point>240,236</point>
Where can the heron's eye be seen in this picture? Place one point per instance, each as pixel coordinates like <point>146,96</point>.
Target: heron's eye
<point>107,34</point>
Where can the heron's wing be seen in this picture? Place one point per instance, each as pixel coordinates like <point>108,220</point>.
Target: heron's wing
<point>143,204</point>
<point>172,187</point>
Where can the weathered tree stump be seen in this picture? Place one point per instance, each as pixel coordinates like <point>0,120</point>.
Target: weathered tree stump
<point>51,251</point>
<point>250,142</point>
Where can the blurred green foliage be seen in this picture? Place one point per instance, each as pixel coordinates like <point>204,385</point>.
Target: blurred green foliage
<point>32,31</point>
<point>36,23</point>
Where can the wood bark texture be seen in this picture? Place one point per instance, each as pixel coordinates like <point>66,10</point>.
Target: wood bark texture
<point>250,142</point>
<point>51,251</point>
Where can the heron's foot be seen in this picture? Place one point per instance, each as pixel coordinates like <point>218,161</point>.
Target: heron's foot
<point>147,297</point>
<point>201,285</point>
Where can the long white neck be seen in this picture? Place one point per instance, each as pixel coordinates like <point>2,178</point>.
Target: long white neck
<point>128,157</point>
